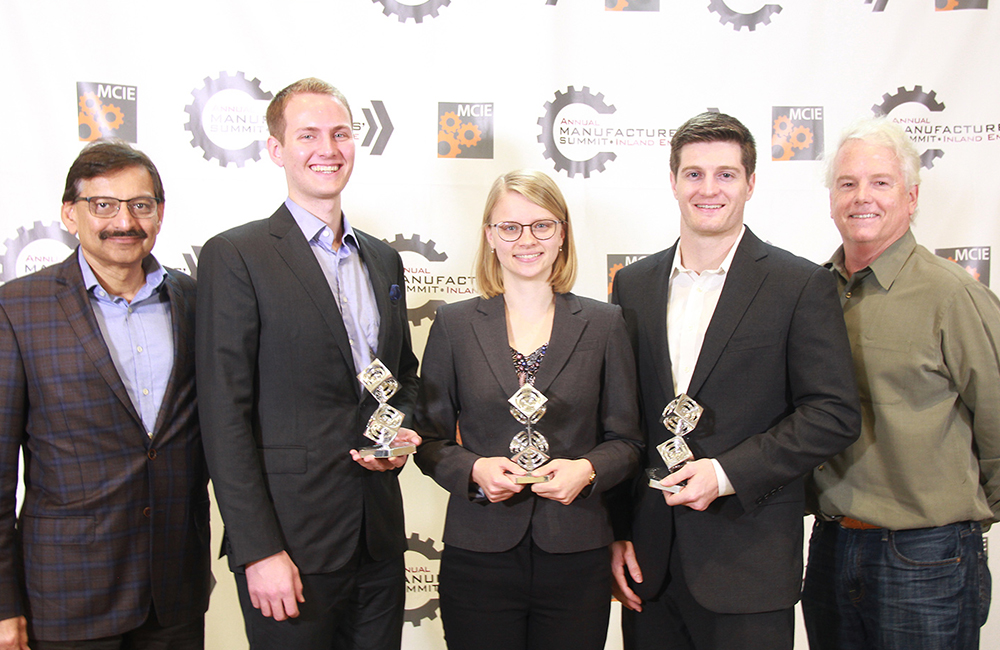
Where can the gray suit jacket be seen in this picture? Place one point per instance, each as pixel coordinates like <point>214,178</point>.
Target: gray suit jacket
<point>776,380</point>
<point>280,402</point>
<point>587,374</point>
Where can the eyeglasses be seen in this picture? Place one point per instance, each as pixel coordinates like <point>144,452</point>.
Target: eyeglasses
<point>105,207</point>
<point>541,230</point>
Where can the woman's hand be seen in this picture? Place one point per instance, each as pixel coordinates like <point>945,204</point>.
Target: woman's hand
<point>569,477</point>
<point>493,475</point>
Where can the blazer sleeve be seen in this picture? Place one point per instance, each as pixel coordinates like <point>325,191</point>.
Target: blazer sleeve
<point>826,416</point>
<point>227,337</point>
<point>440,456</point>
<point>13,407</point>
<point>617,457</point>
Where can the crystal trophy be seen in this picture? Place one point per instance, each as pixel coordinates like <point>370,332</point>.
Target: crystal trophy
<point>383,426</point>
<point>530,449</point>
<point>680,417</point>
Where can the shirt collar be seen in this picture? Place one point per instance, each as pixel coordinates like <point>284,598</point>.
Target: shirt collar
<point>155,275</point>
<point>312,226</point>
<point>723,269</point>
<point>886,266</point>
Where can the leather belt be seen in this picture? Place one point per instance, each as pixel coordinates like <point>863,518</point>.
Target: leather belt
<point>854,524</point>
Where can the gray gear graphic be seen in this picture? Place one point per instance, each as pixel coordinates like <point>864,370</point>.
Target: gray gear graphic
<point>927,158</point>
<point>416,12</point>
<point>547,137</point>
<point>38,230</point>
<point>426,310</point>
<point>904,96</point>
<point>414,245</point>
<point>738,20</point>
<point>429,609</point>
<point>199,138</point>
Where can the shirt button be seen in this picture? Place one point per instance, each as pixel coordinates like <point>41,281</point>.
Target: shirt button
<point>138,348</point>
<point>149,433</point>
<point>145,391</point>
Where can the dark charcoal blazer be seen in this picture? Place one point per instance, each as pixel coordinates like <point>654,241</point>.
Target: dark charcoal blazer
<point>775,378</point>
<point>281,404</point>
<point>588,376</point>
<point>111,518</point>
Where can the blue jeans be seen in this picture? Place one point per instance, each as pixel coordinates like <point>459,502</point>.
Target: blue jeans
<point>923,589</point>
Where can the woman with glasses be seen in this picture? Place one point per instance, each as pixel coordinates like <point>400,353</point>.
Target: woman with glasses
<point>526,563</point>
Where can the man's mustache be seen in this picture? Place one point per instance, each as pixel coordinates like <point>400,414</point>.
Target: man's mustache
<point>138,233</point>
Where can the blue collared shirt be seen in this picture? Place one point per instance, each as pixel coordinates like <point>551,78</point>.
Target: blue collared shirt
<point>349,282</point>
<point>139,336</point>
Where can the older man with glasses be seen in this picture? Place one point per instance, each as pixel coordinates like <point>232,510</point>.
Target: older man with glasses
<point>111,548</point>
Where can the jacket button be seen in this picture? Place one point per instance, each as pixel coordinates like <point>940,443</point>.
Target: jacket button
<point>152,454</point>
<point>146,512</point>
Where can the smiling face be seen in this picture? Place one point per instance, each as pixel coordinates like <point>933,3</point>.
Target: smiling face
<point>527,259</point>
<point>317,153</point>
<point>869,200</point>
<point>122,241</point>
<point>711,188</point>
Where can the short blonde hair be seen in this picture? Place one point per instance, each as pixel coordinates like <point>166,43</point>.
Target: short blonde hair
<point>541,190</point>
<point>309,86</point>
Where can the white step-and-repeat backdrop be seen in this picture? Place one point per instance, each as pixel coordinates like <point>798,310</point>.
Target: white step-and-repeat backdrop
<point>448,94</point>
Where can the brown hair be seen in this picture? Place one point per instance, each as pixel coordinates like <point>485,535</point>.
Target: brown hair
<point>714,127</point>
<point>541,190</point>
<point>309,85</point>
<point>105,157</point>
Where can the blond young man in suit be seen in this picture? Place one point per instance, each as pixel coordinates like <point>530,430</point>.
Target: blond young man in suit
<point>111,548</point>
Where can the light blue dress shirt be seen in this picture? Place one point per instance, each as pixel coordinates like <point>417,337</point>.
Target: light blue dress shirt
<point>349,282</point>
<point>139,336</point>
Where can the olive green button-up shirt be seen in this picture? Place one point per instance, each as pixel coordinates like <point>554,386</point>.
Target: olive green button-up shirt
<point>925,339</point>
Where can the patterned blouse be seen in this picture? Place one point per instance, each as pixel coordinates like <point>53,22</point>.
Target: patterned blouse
<point>527,366</point>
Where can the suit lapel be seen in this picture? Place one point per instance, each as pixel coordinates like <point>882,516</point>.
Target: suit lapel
<point>567,328</point>
<point>293,248</point>
<point>75,303</point>
<point>742,283</point>
<point>375,264</point>
<point>658,282</point>
<point>182,335</point>
<point>491,333</point>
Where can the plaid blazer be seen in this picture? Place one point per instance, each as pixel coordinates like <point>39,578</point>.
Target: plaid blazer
<point>112,519</point>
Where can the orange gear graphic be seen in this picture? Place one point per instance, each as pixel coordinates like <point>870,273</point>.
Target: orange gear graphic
<point>615,268</point>
<point>90,104</point>
<point>950,5</point>
<point>111,117</point>
<point>786,148</point>
<point>464,137</point>
<point>93,131</point>
<point>973,271</point>
<point>620,6</point>
<point>800,137</point>
<point>453,147</point>
<point>782,126</point>
<point>450,122</point>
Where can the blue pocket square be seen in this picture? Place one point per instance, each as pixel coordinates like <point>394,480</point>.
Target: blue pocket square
<point>395,293</point>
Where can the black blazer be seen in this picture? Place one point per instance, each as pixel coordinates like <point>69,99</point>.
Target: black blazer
<point>112,519</point>
<point>587,375</point>
<point>776,380</point>
<point>280,402</point>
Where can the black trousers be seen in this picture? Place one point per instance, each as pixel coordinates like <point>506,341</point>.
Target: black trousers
<point>189,635</point>
<point>676,621</point>
<point>525,598</point>
<point>358,607</point>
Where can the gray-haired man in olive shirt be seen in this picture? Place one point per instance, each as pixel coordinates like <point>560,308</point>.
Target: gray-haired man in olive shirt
<point>896,559</point>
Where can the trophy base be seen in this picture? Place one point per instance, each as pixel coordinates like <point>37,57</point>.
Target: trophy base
<point>387,452</point>
<point>657,474</point>
<point>530,478</point>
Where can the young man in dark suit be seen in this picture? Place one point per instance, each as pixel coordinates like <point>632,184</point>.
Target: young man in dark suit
<point>754,335</point>
<point>111,548</point>
<point>294,307</point>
